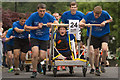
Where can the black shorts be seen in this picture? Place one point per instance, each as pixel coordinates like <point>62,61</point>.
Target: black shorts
<point>97,41</point>
<point>48,46</point>
<point>9,47</point>
<point>22,44</point>
<point>42,44</point>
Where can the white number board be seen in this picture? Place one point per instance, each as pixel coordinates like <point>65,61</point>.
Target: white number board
<point>73,26</point>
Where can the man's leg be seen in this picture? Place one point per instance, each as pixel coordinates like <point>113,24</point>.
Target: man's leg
<point>104,49</point>
<point>16,60</point>
<point>91,59</point>
<point>10,62</point>
<point>35,52</point>
<point>42,55</point>
<point>23,58</point>
<point>96,60</point>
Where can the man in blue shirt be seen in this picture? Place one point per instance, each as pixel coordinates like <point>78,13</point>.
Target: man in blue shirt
<point>9,45</point>
<point>21,42</point>
<point>73,14</point>
<point>39,34</point>
<point>100,34</point>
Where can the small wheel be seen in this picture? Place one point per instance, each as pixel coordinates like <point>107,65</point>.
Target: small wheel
<point>55,71</point>
<point>84,71</point>
<point>49,67</point>
<point>71,70</point>
<point>44,69</point>
<point>21,67</point>
<point>27,68</point>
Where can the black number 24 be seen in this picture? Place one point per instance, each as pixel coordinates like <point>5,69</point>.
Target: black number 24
<point>73,24</point>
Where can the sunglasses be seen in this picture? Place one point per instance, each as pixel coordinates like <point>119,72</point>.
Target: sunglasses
<point>42,10</point>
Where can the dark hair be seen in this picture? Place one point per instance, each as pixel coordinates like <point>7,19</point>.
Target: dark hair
<point>73,3</point>
<point>62,26</point>
<point>42,6</point>
<point>22,16</point>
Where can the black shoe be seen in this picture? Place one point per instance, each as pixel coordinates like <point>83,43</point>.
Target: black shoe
<point>97,73</point>
<point>92,71</point>
<point>34,74</point>
<point>102,69</point>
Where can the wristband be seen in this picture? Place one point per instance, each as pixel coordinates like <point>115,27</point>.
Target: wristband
<point>105,21</point>
<point>23,29</point>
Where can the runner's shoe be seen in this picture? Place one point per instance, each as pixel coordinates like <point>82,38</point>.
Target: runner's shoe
<point>58,68</point>
<point>102,69</point>
<point>41,71</point>
<point>10,70</point>
<point>17,71</point>
<point>34,74</point>
<point>63,68</point>
<point>97,73</point>
<point>92,71</point>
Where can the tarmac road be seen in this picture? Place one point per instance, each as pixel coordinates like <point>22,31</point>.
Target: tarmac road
<point>111,74</point>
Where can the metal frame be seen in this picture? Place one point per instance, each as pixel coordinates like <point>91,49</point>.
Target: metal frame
<point>63,62</point>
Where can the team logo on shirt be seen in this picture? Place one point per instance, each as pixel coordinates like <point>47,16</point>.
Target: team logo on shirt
<point>36,23</point>
<point>21,36</point>
<point>39,32</point>
<point>98,29</point>
<point>93,21</point>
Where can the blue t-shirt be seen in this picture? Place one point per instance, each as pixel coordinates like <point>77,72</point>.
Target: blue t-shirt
<point>23,35</point>
<point>10,33</point>
<point>68,16</point>
<point>34,19</point>
<point>62,37</point>
<point>98,31</point>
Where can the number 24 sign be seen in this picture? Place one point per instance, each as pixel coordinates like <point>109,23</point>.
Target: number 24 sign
<point>73,26</point>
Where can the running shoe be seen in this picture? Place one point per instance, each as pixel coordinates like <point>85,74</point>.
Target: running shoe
<point>10,70</point>
<point>17,71</point>
<point>97,73</point>
<point>92,71</point>
<point>102,69</point>
<point>63,68</point>
<point>58,68</point>
<point>34,74</point>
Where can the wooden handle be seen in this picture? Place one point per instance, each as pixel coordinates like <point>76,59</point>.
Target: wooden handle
<point>57,24</point>
<point>68,24</point>
<point>92,24</point>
